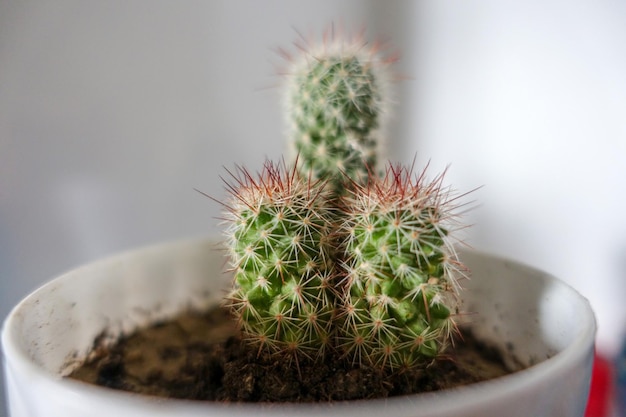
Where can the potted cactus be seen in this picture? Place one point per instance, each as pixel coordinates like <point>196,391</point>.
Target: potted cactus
<point>329,255</point>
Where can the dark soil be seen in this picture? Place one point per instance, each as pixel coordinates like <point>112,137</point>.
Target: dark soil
<point>174,359</point>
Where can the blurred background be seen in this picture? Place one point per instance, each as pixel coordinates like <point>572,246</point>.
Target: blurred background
<point>111,113</point>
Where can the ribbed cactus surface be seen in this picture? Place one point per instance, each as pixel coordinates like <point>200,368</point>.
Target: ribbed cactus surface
<point>401,271</point>
<point>280,251</point>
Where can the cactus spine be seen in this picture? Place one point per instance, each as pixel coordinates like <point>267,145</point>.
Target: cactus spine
<point>335,107</point>
<point>329,255</point>
<point>280,252</point>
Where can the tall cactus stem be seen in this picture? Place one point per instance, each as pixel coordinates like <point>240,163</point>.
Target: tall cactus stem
<point>335,107</point>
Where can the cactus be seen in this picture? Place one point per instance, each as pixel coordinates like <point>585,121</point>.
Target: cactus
<point>329,255</point>
<point>278,233</point>
<point>401,270</point>
<point>335,107</point>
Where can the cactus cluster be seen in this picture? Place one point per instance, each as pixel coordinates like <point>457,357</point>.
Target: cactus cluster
<point>329,255</point>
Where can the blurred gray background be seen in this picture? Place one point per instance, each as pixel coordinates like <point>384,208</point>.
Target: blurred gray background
<point>111,113</point>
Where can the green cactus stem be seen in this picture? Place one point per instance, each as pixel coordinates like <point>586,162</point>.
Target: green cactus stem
<point>401,276</point>
<point>280,252</point>
<point>335,106</point>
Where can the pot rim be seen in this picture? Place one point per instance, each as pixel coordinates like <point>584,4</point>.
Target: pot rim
<point>446,400</point>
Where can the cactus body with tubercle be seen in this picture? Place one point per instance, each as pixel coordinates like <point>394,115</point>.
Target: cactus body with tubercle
<point>401,275</point>
<point>280,252</point>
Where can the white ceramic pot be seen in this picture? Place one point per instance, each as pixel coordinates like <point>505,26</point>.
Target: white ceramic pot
<point>544,321</point>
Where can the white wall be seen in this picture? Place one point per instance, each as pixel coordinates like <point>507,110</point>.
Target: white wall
<point>528,99</point>
<point>112,112</point>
